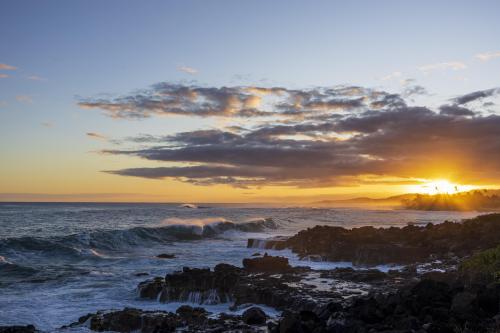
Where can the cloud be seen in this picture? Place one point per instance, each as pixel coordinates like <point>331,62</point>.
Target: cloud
<point>187,69</point>
<point>24,99</point>
<point>488,55</point>
<point>455,110</point>
<point>454,65</point>
<point>391,76</point>
<point>476,95</point>
<point>36,78</point>
<point>414,90</point>
<point>7,67</point>
<point>3,76</point>
<point>47,124</point>
<point>323,136</point>
<point>97,136</point>
<point>166,99</point>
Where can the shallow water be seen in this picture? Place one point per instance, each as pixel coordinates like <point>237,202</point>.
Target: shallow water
<point>61,261</point>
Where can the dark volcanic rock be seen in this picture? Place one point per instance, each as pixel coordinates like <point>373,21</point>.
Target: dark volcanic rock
<point>186,319</point>
<point>119,321</point>
<point>166,256</point>
<point>18,329</point>
<point>151,288</point>
<point>350,274</point>
<point>426,306</point>
<point>254,316</point>
<point>299,322</point>
<point>226,283</point>
<point>196,285</point>
<point>267,264</point>
<point>369,245</point>
<point>464,303</point>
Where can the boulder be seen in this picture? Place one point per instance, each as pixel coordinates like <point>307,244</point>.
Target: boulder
<point>166,256</point>
<point>254,316</point>
<point>126,320</point>
<point>151,288</point>
<point>464,303</point>
<point>267,264</point>
<point>290,323</point>
<point>18,329</point>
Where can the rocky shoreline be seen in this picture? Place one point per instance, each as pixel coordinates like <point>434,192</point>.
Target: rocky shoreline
<point>373,246</point>
<point>455,295</point>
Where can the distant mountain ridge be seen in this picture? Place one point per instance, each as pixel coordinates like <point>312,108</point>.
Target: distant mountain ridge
<point>389,201</point>
<point>485,199</point>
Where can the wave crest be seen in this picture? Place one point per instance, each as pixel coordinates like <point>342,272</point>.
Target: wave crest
<point>90,244</point>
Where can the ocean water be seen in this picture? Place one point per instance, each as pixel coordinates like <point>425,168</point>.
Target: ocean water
<point>61,261</point>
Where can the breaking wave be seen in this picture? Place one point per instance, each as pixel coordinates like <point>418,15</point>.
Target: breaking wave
<point>90,244</point>
<point>10,272</point>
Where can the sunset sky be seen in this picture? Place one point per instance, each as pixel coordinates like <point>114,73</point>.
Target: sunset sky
<point>232,101</point>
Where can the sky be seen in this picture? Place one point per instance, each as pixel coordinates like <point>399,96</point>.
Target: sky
<point>232,101</point>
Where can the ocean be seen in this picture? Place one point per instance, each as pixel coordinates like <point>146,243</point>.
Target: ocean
<point>60,261</point>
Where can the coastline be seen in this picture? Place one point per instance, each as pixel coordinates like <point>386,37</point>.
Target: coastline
<point>327,300</point>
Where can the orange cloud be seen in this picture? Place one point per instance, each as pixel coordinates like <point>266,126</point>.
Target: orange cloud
<point>7,67</point>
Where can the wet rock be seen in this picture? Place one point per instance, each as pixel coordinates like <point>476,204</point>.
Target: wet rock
<point>18,329</point>
<point>254,316</point>
<point>195,285</point>
<point>267,264</point>
<point>189,311</point>
<point>430,292</point>
<point>487,299</point>
<point>350,274</point>
<point>126,320</point>
<point>290,323</point>
<point>186,319</point>
<point>368,310</point>
<point>151,288</point>
<point>325,311</point>
<point>265,280</point>
<point>463,303</point>
<point>407,245</point>
<point>166,256</point>
<point>301,322</point>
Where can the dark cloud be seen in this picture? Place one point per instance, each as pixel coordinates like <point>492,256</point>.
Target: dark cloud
<point>476,96</point>
<point>415,90</point>
<point>244,102</point>
<point>95,135</point>
<point>455,110</point>
<point>388,100</point>
<point>377,136</point>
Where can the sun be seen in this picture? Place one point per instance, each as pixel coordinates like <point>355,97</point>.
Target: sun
<point>440,186</point>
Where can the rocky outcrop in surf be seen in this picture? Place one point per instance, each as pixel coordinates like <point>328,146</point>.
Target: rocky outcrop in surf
<point>373,246</point>
<point>185,319</point>
<point>267,264</point>
<point>401,301</point>
<point>266,280</point>
<point>18,329</point>
<point>436,303</point>
<point>224,284</point>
